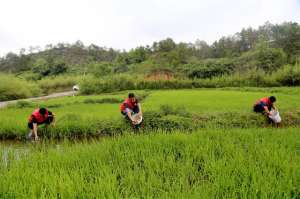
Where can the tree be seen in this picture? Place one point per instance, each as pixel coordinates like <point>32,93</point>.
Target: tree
<point>41,67</point>
<point>137,55</point>
<point>166,45</point>
<point>287,37</point>
<point>202,49</point>
<point>49,66</point>
<point>270,59</point>
<point>100,69</point>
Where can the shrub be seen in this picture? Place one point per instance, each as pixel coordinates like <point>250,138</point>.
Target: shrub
<point>58,83</point>
<point>12,88</point>
<point>289,75</point>
<point>24,104</point>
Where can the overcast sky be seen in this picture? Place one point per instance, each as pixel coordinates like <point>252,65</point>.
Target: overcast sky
<point>125,24</point>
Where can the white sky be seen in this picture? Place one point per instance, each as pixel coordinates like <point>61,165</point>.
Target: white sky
<point>125,24</point>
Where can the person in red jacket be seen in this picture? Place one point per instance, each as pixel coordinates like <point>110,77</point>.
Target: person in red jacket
<point>264,105</point>
<point>131,106</point>
<point>38,117</point>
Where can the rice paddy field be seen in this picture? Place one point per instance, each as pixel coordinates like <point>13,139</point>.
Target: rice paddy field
<point>200,143</point>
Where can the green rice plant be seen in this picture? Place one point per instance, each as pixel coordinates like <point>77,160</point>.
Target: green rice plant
<point>24,104</point>
<point>103,101</point>
<point>223,163</point>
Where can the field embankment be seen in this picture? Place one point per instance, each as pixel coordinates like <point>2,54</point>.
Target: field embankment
<point>168,110</point>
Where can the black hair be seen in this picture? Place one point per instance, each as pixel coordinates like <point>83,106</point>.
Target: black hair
<point>130,95</point>
<point>272,99</point>
<point>42,111</point>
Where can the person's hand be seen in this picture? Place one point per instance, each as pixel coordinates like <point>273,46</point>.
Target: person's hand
<point>53,124</point>
<point>133,122</point>
<point>36,138</point>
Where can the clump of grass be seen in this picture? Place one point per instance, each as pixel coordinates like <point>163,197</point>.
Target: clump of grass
<point>102,101</point>
<point>166,109</point>
<point>24,104</point>
<point>57,105</point>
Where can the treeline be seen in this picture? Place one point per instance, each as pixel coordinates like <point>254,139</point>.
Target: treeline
<point>266,49</point>
<point>262,57</point>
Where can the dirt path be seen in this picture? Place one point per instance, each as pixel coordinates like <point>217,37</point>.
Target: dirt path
<point>53,95</point>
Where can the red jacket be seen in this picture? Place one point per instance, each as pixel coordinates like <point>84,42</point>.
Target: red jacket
<point>37,117</point>
<point>128,104</point>
<point>265,101</point>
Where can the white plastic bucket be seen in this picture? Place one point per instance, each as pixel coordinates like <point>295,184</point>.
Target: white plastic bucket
<point>137,118</point>
<point>274,115</point>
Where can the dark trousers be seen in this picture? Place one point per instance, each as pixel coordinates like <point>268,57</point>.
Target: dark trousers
<point>258,108</point>
<point>135,110</point>
<point>48,121</point>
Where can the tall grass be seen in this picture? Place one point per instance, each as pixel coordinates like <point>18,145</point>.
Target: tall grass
<point>58,83</point>
<point>12,88</point>
<point>241,163</point>
<point>287,76</point>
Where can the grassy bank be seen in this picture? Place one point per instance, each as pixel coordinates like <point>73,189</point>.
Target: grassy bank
<point>240,163</point>
<point>184,110</point>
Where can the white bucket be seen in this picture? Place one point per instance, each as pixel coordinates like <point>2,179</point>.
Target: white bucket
<point>137,118</point>
<point>274,115</point>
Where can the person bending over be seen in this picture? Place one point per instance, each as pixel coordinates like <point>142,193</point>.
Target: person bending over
<point>130,107</point>
<point>264,106</point>
<point>38,117</point>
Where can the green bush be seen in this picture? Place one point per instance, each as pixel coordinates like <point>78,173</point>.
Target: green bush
<point>208,68</point>
<point>289,75</point>
<point>262,58</point>
<point>24,104</point>
<point>12,88</point>
<point>58,83</point>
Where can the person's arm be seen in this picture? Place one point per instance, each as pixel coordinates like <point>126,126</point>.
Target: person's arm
<point>140,109</point>
<point>267,110</point>
<point>35,126</point>
<point>129,114</point>
<point>53,123</point>
<point>54,120</point>
<point>52,115</point>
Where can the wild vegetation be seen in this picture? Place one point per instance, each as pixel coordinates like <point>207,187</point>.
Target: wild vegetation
<point>264,57</point>
<point>15,88</point>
